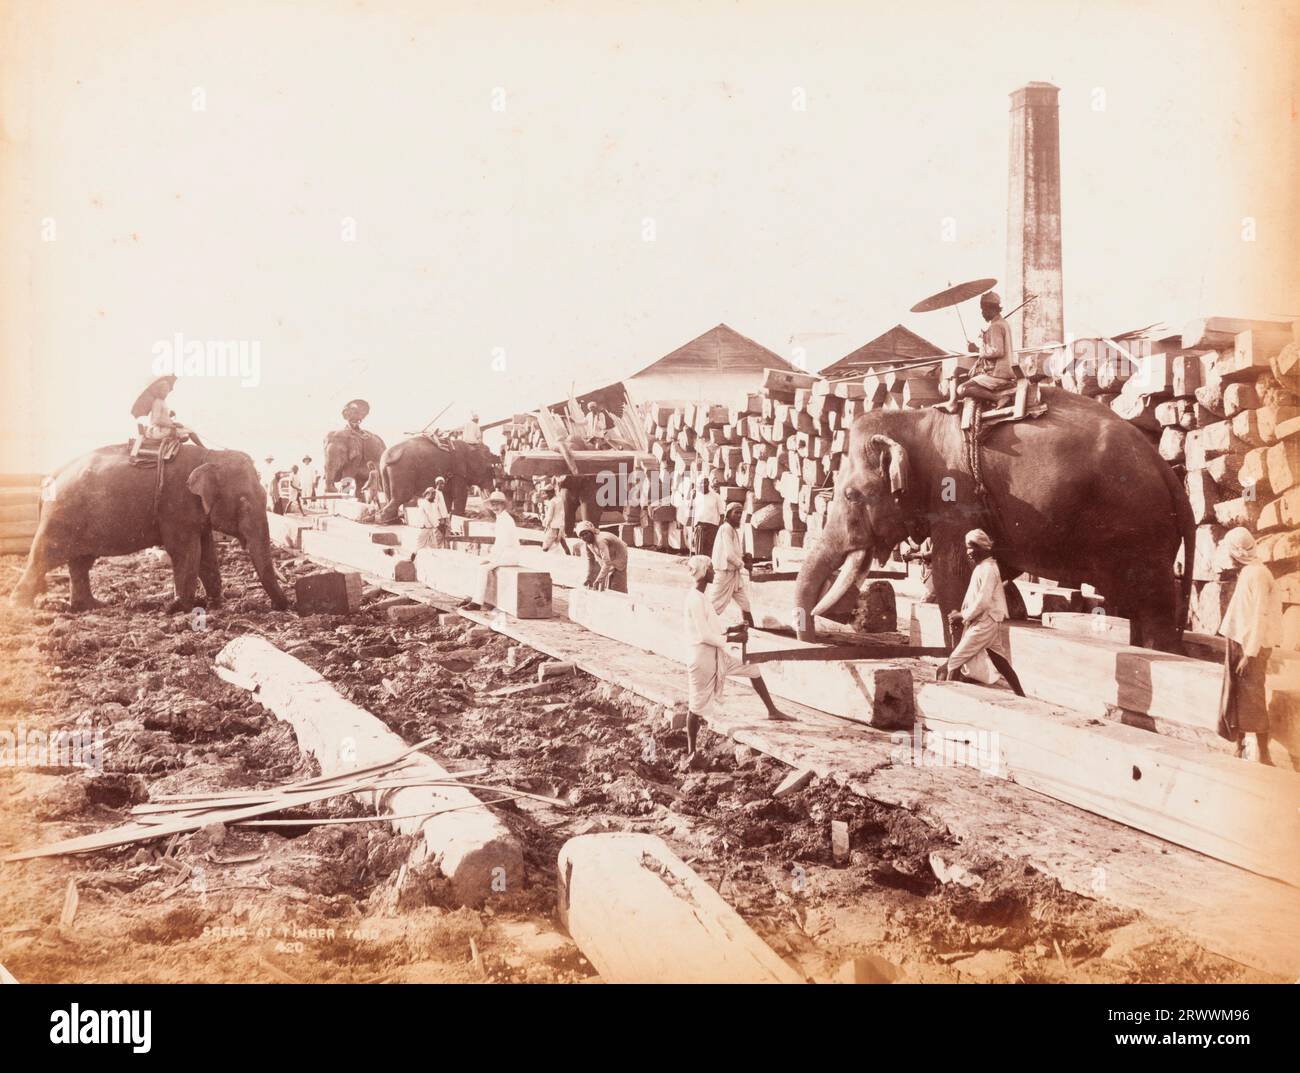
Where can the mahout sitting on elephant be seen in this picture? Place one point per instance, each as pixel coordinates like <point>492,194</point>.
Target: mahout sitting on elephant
<point>1077,495</point>
<point>102,505</point>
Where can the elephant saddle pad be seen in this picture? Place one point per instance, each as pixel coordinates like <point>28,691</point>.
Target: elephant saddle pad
<point>148,453</point>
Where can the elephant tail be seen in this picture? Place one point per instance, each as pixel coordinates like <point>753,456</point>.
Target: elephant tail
<point>1187,530</point>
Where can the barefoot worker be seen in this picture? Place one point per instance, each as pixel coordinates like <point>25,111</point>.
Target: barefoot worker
<point>1253,628</point>
<point>729,566</point>
<point>606,558</point>
<point>505,548</point>
<point>709,663</point>
<point>434,517</point>
<point>980,650</point>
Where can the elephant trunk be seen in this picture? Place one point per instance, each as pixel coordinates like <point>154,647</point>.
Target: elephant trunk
<point>832,552</point>
<point>258,543</point>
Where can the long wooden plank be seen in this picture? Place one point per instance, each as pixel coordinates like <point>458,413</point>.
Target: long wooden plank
<point>1242,813</point>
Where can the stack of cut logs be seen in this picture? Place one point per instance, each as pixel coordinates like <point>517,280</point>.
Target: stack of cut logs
<point>1220,401</point>
<point>776,452</point>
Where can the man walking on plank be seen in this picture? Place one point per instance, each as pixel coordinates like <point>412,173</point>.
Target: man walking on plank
<point>606,558</point>
<point>1253,628</point>
<point>729,566</point>
<point>709,664</point>
<point>980,619</point>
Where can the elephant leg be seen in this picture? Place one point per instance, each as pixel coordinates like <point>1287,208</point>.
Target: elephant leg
<point>950,572</point>
<point>209,569</point>
<point>32,582</point>
<point>184,551</point>
<point>79,572</point>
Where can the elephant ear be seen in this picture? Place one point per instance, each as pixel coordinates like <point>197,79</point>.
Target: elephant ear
<point>203,481</point>
<point>893,463</point>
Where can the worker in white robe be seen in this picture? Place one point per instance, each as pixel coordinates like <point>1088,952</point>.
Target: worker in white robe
<point>708,662</point>
<point>980,655</point>
<point>1252,625</point>
<point>434,518</point>
<point>505,549</point>
<point>729,566</point>
<point>554,520</point>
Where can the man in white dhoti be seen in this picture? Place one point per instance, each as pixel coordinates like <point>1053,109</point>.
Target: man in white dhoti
<point>1252,625</point>
<point>709,663</point>
<point>729,566</point>
<point>505,548</point>
<point>980,652</point>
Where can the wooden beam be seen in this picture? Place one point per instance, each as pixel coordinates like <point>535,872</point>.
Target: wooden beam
<point>1242,813</point>
<point>640,915</point>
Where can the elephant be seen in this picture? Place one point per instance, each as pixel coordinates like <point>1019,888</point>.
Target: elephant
<point>1079,495</point>
<point>348,453</point>
<point>409,467</point>
<point>101,505</point>
<point>581,502</point>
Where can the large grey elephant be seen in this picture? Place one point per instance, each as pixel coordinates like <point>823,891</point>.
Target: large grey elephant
<point>1080,495</point>
<point>348,453</point>
<point>100,505</point>
<point>409,467</point>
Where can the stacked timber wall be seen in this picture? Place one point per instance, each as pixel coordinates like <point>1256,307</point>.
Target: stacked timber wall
<point>20,501</point>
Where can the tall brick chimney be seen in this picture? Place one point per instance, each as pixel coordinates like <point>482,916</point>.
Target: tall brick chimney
<point>1034,216</point>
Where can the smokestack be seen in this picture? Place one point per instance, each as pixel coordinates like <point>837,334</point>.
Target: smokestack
<point>1034,215</point>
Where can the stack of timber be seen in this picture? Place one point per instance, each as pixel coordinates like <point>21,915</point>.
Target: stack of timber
<point>20,502</point>
<point>1221,403</point>
<point>776,451</point>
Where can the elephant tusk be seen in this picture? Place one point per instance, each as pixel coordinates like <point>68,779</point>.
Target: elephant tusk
<point>850,571</point>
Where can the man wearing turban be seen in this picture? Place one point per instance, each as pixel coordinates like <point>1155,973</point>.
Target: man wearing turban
<point>709,664</point>
<point>1252,626</point>
<point>980,652</point>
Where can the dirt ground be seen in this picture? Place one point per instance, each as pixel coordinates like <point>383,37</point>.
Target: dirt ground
<point>335,904</point>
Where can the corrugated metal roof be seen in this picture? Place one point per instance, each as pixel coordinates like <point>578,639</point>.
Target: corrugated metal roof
<point>720,348</point>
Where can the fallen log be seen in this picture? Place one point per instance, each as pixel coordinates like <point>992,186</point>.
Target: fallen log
<point>640,915</point>
<point>474,850</point>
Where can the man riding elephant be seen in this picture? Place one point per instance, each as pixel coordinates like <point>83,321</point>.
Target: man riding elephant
<point>1078,495</point>
<point>350,450</point>
<point>407,468</point>
<point>102,505</point>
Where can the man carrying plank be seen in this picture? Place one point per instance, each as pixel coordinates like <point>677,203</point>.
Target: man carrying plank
<point>1253,627</point>
<point>981,651</point>
<point>709,663</point>
<point>729,566</point>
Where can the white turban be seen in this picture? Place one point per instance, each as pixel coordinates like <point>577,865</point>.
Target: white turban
<point>698,565</point>
<point>980,539</point>
<point>1240,545</point>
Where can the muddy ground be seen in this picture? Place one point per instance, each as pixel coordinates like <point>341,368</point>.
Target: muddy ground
<point>335,904</point>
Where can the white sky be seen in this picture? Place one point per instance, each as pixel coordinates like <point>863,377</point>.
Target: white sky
<point>522,229</point>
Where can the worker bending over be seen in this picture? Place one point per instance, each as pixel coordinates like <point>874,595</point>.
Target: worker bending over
<point>709,663</point>
<point>1252,625</point>
<point>980,620</point>
<point>729,566</point>
<point>606,558</point>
